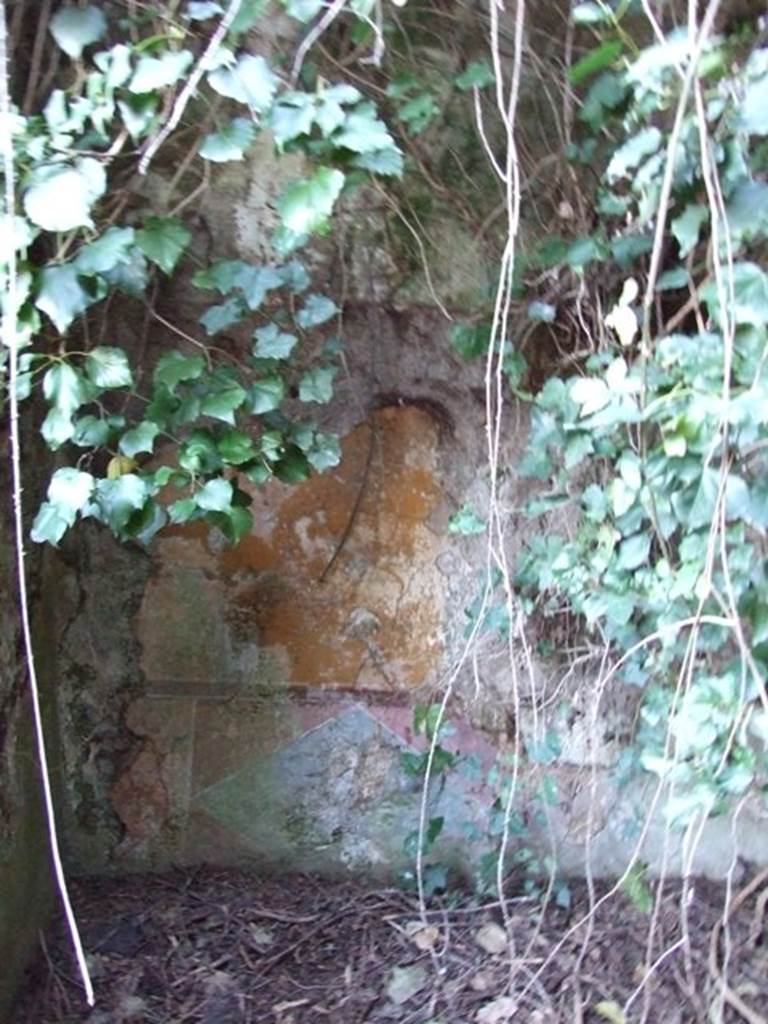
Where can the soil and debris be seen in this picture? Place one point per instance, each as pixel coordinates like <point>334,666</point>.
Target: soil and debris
<point>224,947</point>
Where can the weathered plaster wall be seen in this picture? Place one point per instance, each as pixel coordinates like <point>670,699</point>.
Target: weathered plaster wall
<point>252,704</point>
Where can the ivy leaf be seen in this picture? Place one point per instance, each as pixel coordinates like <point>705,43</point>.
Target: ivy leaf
<point>590,14</point>
<point>418,113</point>
<point>317,310</point>
<point>249,13</point>
<point>183,510</point>
<point>222,276</point>
<point>153,73</point>
<point>466,521</point>
<point>544,312</point>
<point>118,499</point>
<point>50,524</point>
<point>636,887</point>
<point>471,340</point>
<point>596,60</point>
<point>266,395</point>
<point>633,552</point>
<point>754,107</point>
<point>60,197</point>
<point>215,496</point>
<point>199,453</point>
<point>202,10</point>
<point>591,393</point>
<point>140,439</point>
<point>230,143</point>
<point>388,162</point>
<point>90,432</point>
<point>303,10</point>
<point>174,367</point>
<point>687,226</point>
<point>64,388</point>
<point>272,343</point>
<point>57,428</point>
<point>108,367</point>
<point>628,156</point>
<point>74,28</point>
<point>363,131</point>
<point>295,276</point>
<point>217,318</point>
<point>131,277</point>
<point>113,248</point>
<point>317,385</point>
<point>163,240</point>
<point>235,447</point>
<point>750,288</point>
<point>329,115</point>
<point>476,75</point>
<point>305,206</point>
<point>325,452</point>
<point>69,490</point>
<point>221,405</point>
<point>293,467</point>
<point>256,282</point>
<point>249,81</point>
<point>293,115</point>
<point>61,296</point>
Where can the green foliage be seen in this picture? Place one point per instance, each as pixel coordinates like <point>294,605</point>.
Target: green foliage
<point>209,421</point>
<point>664,466</point>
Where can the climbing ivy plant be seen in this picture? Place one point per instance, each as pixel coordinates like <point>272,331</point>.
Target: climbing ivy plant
<point>658,443</point>
<point>219,419</point>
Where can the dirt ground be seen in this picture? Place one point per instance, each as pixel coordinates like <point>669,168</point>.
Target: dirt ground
<point>222,947</point>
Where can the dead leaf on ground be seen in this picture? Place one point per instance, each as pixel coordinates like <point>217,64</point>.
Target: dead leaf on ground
<point>611,1011</point>
<point>405,982</point>
<point>482,981</point>
<point>492,938</point>
<point>497,1012</point>
<point>424,937</point>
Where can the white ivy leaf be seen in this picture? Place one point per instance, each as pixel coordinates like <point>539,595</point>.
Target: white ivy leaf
<point>139,439</point>
<point>108,367</point>
<point>60,196</point>
<point>754,107</point>
<point>317,385</point>
<point>50,524</point>
<point>115,64</point>
<point>591,393</point>
<point>633,152</point>
<point>266,395</point>
<point>215,496</point>
<point>202,10</point>
<point>272,343</point>
<point>70,489</point>
<point>306,205</point>
<point>687,226</point>
<point>249,81</point>
<point>623,320</point>
<point>317,310</point>
<point>56,429</point>
<point>61,296</point>
<point>230,143</point>
<point>74,28</point>
<point>153,73</point>
<point>363,131</point>
<point>303,10</point>
<point>325,453</point>
<point>112,249</point>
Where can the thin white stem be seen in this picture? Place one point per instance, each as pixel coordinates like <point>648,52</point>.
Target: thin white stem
<point>190,86</point>
<point>10,340</point>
